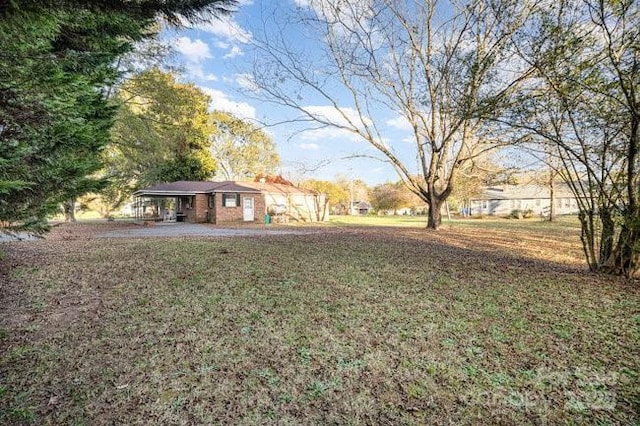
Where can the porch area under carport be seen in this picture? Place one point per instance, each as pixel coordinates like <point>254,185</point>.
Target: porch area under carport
<point>170,207</point>
<point>183,201</point>
<point>158,208</point>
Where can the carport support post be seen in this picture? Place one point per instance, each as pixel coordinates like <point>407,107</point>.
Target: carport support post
<point>137,208</point>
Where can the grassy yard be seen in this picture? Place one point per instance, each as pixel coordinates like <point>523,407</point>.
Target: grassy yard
<point>563,223</point>
<point>482,322</point>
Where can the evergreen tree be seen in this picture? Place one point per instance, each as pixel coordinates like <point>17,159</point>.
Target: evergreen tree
<point>58,57</point>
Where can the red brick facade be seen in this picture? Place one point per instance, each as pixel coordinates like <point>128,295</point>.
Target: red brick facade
<point>231,215</point>
<point>194,207</point>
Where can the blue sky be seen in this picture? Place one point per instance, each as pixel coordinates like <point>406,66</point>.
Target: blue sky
<point>218,57</point>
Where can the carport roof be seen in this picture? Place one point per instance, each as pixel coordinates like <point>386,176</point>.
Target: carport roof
<point>181,187</point>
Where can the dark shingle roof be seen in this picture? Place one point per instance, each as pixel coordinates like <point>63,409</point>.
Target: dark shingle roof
<point>272,188</point>
<point>184,187</point>
<point>177,188</point>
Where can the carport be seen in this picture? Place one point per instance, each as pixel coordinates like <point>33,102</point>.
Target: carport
<point>172,202</point>
<point>156,208</point>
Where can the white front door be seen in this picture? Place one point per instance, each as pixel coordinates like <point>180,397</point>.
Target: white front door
<point>247,209</point>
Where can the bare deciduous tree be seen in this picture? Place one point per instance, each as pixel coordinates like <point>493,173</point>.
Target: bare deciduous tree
<point>439,65</point>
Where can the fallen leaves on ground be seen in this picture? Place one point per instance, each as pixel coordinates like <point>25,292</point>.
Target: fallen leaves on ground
<point>341,325</point>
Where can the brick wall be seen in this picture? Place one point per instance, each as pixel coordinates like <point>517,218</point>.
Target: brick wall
<point>201,208</point>
<point>299,207</point>
<point>198,211</point>
<point>231,215</point>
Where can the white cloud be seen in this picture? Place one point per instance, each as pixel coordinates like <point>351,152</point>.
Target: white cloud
<point>228,29</point>
<point>194,50</point>
<point>342,116</point>
<point>309,146</point>
<point>400,123</point>
<point>328,133</point>
<point>222,45</point>
<point>345,16</point>
<point>221,101</point>
<point>345,117</point>
<point>197,71</point>
<point>235,51</point>
<point>246,82</point>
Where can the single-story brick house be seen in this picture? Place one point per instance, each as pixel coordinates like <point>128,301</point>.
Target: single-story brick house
<point>502,200</point>
<point>229,202</point>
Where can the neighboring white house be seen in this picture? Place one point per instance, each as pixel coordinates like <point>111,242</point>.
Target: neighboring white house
<point>502,200</point>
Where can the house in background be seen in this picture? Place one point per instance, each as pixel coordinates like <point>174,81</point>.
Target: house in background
<point>502,200</point>
<point>360,208</point>
<point>353,208</point>
<point>228,202</point>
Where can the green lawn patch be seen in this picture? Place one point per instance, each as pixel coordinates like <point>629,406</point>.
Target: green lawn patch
<point>347,326</point>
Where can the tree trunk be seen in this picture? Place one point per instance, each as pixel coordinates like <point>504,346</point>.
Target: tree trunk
<point>435,214</point>
<point>552,197</point>
<point>70,211</point>
<point>607,235</point>
<point>625,258</point>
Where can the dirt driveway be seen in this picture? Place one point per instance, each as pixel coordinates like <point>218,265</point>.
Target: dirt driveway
<point>195,230</point>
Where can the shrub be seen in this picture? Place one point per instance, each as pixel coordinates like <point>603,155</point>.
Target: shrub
<point>520,214</point>
<point>515,214</point>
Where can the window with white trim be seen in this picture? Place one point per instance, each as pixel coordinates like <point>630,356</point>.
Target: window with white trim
<point>231,200</point>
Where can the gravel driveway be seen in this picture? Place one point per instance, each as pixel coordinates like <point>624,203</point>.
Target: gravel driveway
<point>18,236</point>
<point>193,229</point>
